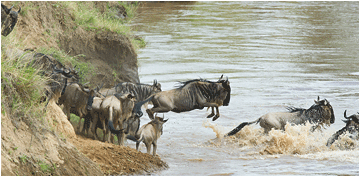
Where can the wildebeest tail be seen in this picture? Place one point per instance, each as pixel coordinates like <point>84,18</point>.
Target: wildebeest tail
<point>112,129</point>
<point>133,138</point>
<point>242,125</point>
<point>137,107</point>
<point>111,125</point>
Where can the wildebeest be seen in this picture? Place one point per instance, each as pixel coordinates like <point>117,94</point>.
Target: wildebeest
<point>59,75</point>
<point>116,109</point>
<point>319,113</point>
<point>77,100</point>
<point>8,19</point>
<point>149,134</point>
<point>140,91</point>
<point>192,94</point>
<point>352,126</point>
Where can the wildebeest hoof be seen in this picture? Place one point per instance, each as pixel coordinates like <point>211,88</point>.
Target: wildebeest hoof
<point>210,115</point>
<point>215,117</point>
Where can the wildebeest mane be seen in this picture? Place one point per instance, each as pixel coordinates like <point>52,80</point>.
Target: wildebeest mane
<point>183,84</point>
<point>314,114</point>
<point>139,90</point>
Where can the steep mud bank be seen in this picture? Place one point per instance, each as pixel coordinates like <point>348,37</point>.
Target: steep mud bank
<point>49,146</point>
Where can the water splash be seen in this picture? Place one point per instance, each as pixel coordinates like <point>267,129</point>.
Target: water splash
<point>295,140</point>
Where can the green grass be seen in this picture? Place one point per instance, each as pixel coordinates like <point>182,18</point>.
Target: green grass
<point>22,86</point>
<point>86,69</point>
<point>44,167</point>
<point>24,158</point>
<point>89,16</point>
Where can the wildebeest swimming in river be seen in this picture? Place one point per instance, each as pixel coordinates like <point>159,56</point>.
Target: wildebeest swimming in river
<point>352,126</point>
<point>8,19</point>
<point>192,94</point>
<point>319,113</point>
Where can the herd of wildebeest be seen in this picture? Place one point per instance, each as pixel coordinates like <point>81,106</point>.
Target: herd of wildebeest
<point>117,110</point>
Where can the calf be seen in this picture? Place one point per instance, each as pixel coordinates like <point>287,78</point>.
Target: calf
<point>149,134</point>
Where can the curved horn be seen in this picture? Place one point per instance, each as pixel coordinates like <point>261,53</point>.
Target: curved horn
<point>345,113</point>
<point>19,10</point>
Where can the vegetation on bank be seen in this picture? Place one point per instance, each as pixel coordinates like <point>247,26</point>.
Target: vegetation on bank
<point>22,86</point>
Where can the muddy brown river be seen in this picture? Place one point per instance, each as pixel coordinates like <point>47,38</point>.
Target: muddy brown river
<point>275,54</point>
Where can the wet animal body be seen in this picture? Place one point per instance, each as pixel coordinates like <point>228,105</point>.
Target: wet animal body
<point>320,113</point>
<point>149,134</point>
<point>352,127</point>
<point>192,94</point>
<point>8,19</point>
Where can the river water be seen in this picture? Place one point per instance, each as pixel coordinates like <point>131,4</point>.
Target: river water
<point>275,54</point>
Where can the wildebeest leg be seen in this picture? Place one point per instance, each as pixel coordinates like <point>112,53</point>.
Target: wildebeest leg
<point>66,110</point>
<point>217,113</point>
<point>137,146</point>
<point>154,148</point>
<point>121,138</point>
<point>105,130</point>
<point>79,125</point>
<point>212,113</point>
<point>148,147</point>
<point>313,128</point>
<point>86,126</point>
<point>93,126</point>
<point>157,109</point>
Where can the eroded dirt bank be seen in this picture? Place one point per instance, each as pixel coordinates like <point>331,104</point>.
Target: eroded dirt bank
<point>49,146</point>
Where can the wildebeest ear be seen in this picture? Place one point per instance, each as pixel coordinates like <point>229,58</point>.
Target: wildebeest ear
<point>165,120</point>
<point>317,102</point>
<point>326,102</point>
<point>155,82</point>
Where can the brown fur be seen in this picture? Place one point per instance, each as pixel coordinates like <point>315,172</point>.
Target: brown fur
<point>149,134</point>
<point>116,109</point>
<point>75,100</point>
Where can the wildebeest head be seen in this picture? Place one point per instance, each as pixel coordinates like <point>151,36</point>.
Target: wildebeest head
<point>352,122</point>
<point>226,85</point>
<point>8,19</point>
<point>127,102</point>
<point>352,127</point>
<point>157,86</point>
<point>327,112</point>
